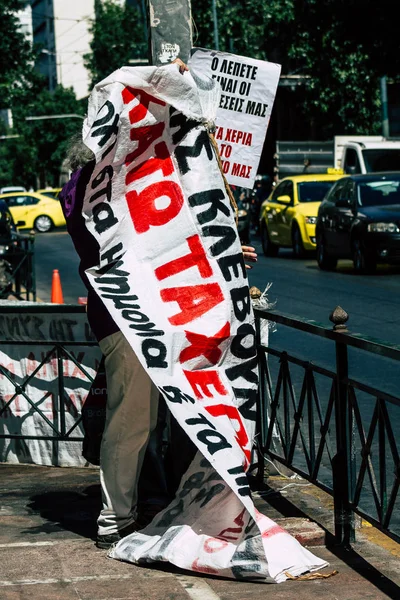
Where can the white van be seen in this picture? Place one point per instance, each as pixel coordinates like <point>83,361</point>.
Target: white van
<point>12,188</point>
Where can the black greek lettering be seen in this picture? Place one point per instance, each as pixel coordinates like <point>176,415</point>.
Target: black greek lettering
<point>182,153</point>
<point>157,360</point>
<point>147,329</point>
<point>214,440</point>
<point>246,562</point>
<point>121,303</point>
<point>245,369</point>
<point>174,394</point>
<point>237,347</point>
<point>106,191</point>
<point>134,315</point>
<point>103,217</point>
<point>241,302</point>
<point>200,420</point>
<point>171,515</point>
<point>106,131</point>
<point>109,255</point>
<point>227,234</point>
<point>248,409</point>
<point>212,197</point>
<point>233,261</point>
<point>207,495</point>
<point>178,119</point>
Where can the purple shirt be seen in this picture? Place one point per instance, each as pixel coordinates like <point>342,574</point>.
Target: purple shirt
<point>71,199</point>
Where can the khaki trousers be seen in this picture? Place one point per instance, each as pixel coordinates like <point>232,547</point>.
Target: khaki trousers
<point>132,404</point>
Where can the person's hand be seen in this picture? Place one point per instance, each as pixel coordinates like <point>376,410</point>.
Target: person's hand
<point>249,254</point>
<point>182,66</point>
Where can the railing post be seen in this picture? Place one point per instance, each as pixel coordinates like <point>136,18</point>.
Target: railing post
<point>341,462</point>
<point>260,430</point>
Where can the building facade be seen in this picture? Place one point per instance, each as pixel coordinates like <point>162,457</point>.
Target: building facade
<point>61,29</point>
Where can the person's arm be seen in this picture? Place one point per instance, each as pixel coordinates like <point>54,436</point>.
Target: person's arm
<point>182,66</point>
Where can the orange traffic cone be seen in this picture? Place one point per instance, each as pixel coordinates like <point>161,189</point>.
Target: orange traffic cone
<point>56,289</point>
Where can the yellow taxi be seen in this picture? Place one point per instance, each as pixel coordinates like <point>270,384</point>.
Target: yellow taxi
<point>50,192</point>
<point>289,215</point>
<point>31,210</point>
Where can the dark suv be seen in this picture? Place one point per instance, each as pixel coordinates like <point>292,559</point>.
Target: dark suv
<point>359,218</point>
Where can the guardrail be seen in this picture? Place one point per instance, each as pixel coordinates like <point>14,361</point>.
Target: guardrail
<point>326,440</point>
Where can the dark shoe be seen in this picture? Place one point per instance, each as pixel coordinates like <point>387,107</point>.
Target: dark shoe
<point>107,540</point>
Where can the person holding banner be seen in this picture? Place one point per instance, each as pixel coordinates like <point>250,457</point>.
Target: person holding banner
<point>169,268</point>
<point>132,398</point>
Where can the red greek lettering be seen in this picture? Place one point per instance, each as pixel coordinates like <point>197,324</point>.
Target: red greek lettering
<point>202,345</point>
<point>142,206</point>
<point>196,258</point>
<point>200,380</point>
<point>194,301</point>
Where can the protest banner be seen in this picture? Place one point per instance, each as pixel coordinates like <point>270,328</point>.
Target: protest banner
<point>32,405</point>
<point>172,275</point>
<point>248,88</point>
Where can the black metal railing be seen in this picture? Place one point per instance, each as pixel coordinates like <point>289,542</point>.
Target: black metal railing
<point>57,358</point>
<point>20,266</point>
<point>325,436</point>
<point>311,418</point>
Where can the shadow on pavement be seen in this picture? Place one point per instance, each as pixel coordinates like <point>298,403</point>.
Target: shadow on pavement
<point>64,510</point>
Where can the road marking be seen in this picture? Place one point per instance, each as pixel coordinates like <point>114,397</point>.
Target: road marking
<point>117,577</point>
<point>33,544</point>
<point>197,588</point>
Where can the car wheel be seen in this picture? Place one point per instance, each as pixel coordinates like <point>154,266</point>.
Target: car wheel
<point>43,224</point>
<point>297,243</point>
<point>325,262</point>
<point>269,249</point>
<point>363,263</point>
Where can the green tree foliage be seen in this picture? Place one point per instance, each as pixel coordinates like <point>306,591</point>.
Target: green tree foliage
<point>33,158</point>
<point>118,36</point>
<point>16,56</point>
<point>42,144</point>
<point>343,47</point>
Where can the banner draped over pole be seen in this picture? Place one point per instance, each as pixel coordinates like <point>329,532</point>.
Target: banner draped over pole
<point>172,275</point>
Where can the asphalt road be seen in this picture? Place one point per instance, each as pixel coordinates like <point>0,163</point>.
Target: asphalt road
<point>298,288</point>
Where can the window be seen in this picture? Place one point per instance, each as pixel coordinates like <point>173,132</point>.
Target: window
<point>337,191</point>
<point>381,160</point>
<point>383,192</point>
<point>283,189</point>
<point>313,191</point>
<point>278,191</point>
<point>21,201</point>
<point>351,162</point>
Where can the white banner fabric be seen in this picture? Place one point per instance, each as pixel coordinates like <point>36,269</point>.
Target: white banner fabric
<point>248,89</point>
<point>172,275</point>
<point>31,406</point>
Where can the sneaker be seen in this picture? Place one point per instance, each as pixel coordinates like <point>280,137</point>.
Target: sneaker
<point>107,540</point>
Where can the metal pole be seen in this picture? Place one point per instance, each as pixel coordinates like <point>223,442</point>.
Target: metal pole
<point>341,471</point>
<point>384,101</point>
<point>215,21</point>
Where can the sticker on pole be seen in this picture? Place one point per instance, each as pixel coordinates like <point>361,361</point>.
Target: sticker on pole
<point>248,89</point>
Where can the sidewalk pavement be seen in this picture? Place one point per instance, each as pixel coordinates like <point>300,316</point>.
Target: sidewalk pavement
<point>47,551</point>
